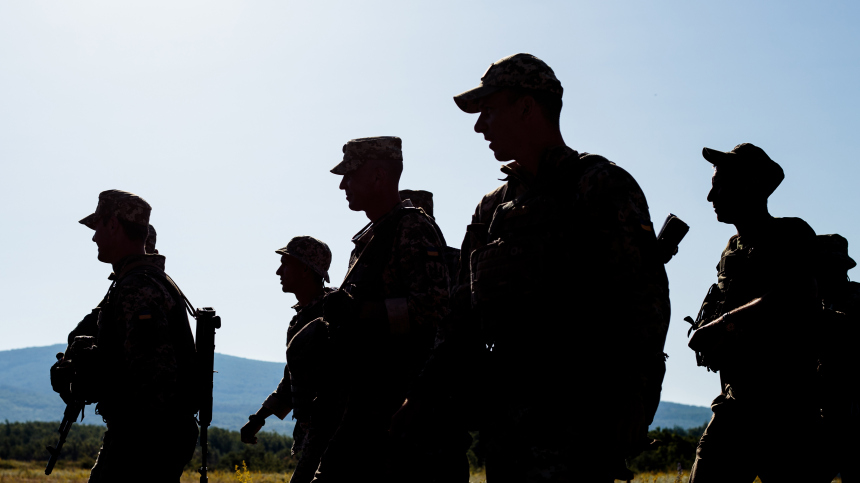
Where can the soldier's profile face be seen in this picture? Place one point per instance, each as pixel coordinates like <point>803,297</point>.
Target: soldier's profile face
<point>359,186</point>
<point>104,237</point>
<point>499,123</point>
<point>290,271</point>
<point>728,196</point>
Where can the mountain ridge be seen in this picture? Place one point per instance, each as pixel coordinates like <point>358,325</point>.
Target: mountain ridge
<point>240,386</point>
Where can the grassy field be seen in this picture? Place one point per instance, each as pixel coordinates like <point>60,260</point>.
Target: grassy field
<point>32,472</point>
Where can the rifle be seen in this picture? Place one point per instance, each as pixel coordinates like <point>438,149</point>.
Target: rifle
<point>207,322</point>
<point>70,415</point>
<point>674,230</point>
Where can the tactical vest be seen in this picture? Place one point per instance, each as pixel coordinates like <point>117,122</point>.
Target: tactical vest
<point>527,245</point>
<point>364,279</point>
<point>112,336</point>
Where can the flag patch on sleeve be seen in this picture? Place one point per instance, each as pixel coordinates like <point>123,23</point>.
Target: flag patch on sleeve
<point>432,251</point>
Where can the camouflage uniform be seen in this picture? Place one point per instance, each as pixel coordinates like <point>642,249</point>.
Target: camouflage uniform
<point>767,367</point>
<point>88,326</point>
<point>398,282</point>
<point>315,405</point>
<point>557,285</point>
<point>839,363</point>
<point>143,365</point>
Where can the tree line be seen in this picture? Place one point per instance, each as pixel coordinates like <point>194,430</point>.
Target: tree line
<point>27,442</point>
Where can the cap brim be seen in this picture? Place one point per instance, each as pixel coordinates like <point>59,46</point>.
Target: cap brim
<point>468,101</point>
<point>89,221</point>
<point>716,157</point>
<point>340,168</point>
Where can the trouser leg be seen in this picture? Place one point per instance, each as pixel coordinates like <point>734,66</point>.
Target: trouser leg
<point>723,454</point>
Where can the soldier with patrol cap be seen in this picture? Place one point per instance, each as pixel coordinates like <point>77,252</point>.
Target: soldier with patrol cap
<point>757,328</point>
<point>303,271</point>
<point>558,289</point>
<point>383,322</point>
<point>839,361</point>
<point>139,368</point>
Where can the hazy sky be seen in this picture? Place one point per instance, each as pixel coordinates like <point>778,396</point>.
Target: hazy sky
<point>227,116</point>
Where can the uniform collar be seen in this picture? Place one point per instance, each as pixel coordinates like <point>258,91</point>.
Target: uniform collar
<point>326,290</point>
<point>364,235</point>
<point>122,267</point>
<point>547,166</point>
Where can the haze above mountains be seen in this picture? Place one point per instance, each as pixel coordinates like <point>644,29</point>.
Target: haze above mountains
<point>241,385</point>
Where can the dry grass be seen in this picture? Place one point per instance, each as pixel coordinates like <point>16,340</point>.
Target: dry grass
<point>32,472</point>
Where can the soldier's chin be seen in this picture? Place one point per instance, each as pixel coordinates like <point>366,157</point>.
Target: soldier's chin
<point>501,156</point>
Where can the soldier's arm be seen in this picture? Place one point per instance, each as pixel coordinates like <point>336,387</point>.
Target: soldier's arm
<point>149,355</point>
<point>280,402</point>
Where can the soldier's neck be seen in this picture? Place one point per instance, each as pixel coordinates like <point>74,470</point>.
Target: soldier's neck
<point>382,205</point>
<point>306,296</point>
<point>537,144</point>
<point>754,221</point>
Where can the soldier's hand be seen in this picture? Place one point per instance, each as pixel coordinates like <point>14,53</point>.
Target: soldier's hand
<point>403,419</point>
<point>712,335</point>
<point>248,433</point>
<point>62,373</point>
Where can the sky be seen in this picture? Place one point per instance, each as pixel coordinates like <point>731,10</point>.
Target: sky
<point>226,117</point>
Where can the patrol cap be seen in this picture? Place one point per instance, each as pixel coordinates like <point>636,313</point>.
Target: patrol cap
<point>310,251</point>
<point>151,238</point>
<point>122,204</point>
<point>356,152</point>
<point>833,250</point>
<point>523,71</point>
<point>420,199</point>
<point>749,159</point>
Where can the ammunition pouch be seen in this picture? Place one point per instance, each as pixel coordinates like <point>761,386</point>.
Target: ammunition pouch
<point>504,275</point>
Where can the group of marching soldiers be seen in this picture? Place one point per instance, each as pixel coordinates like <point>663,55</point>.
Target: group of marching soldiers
<point>544,331</point>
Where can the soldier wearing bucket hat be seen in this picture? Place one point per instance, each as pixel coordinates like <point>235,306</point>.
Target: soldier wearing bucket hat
<point>839,362</point>
<point>755,328</point>
<point>561,219</point>
<point>305,262</point>
<point>142,356</point>
<point>386,313</point>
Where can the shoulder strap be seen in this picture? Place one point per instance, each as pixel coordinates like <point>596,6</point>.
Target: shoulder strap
<point>158,275</point>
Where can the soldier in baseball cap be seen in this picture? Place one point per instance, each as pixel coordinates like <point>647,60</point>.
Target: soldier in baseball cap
<point>766,279</point>
<point>518,71</point>
<point>519,102</point>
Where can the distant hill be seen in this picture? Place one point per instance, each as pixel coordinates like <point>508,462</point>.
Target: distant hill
<point>241,385</point>
<point>673,415</point>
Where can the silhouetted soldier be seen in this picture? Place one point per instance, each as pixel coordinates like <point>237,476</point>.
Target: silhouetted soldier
<point>757,328</point>
<point>140,366</point>
<point>304,270</point>
<point>839,362</point>
<point>558,292</point>
<point>383,323</point>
